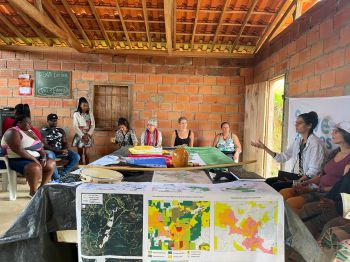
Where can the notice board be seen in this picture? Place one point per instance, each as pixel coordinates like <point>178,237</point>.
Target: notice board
<point>53,83</point>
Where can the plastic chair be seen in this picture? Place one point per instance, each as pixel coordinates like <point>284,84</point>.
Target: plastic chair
<point>9,179</point>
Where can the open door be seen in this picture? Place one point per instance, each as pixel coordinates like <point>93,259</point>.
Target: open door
<point>258,102</point>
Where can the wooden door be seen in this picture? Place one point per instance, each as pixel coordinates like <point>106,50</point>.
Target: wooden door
<point>257,104</point>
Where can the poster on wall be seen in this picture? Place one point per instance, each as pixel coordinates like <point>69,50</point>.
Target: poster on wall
<point>25,85</point>
<point>180,222</point>
<point>330,110</point>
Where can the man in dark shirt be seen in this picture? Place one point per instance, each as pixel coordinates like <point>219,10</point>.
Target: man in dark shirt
<point>56,146</point>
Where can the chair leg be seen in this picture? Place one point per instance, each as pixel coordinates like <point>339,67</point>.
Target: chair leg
<point>12,185</point>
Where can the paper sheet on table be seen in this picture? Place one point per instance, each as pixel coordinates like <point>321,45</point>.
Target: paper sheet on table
<point>103,161</point>
<point>106,160</point>
<point>195,158</point>
<point>195,177</point>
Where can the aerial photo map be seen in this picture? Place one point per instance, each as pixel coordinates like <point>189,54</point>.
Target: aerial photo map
<point>113,227</point>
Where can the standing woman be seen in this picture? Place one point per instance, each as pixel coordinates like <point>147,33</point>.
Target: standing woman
<point>84,125</point>
<point>183,136</point>
<point>307,152</point>
<point>228,142</point>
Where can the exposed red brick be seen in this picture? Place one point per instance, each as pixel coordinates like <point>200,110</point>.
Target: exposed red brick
<point>342,75</point>
<point>328,79</point>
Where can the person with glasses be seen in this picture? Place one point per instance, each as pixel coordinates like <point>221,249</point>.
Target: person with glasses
<point>151,136</point>
<point>315,188</point>
<point>307,153</point>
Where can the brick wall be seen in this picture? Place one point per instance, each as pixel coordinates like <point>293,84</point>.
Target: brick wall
<point>206,91</point>
<point>314,53</point>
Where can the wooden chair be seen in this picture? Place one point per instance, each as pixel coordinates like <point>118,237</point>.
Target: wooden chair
<point>9,179</point>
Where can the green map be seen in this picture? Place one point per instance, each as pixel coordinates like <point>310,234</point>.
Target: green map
<point>178,225</point>
<point>114,227</point>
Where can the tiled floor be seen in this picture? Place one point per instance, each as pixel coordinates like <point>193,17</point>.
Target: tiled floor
<point>9,210</point>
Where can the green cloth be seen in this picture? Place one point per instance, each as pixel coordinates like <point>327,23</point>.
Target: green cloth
<point>210,155</point>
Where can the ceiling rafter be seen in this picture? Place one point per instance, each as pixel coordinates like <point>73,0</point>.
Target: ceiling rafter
<point>123,24</point>
<point>5,39</point>
<point>76,22</point>
<point>221,19</point>
<point>174,25</point>
<point>100,24</point>
<point>71,37</point>
<point>289,9</point>
<point>15,30</point>
<point>195,24</point>
<point>37,30</point>
<point>39,5</point>
<point>251,9</point>
<point>272,24</point>
<point>145,17</point>
<point>168,13</point>
<point>40,18</point>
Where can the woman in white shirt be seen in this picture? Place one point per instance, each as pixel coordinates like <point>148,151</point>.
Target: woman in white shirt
<point>307,152</point>
<point>84,126</point>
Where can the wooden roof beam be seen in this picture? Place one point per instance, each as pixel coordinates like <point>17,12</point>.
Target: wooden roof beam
<point>221,19</point>
<point>145,17</point>
<point>39,5</point>
<point>251,10</point>
<point>5,39</point>
<point>15,30</point>
<point>38,31</point>
<point>174,25</point>
<point>168,17</point>
<point>195,23</point>
<point>123,23</point>
<point>71,37</point>
<point>40,18</point>
<point>76,22</point>
<point>128,51</point>
<point>290,4</point>
<point>272,24</point>
<point>100,24</point>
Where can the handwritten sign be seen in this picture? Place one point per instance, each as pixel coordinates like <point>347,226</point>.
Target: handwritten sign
<point>53,83</point>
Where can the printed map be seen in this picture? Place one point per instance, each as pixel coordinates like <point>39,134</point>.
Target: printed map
<point>178,225</point>
<point>246,226</point>
<point>113,227</point>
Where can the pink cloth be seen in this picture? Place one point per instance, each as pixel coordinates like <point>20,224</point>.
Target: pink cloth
<point>333,171</point>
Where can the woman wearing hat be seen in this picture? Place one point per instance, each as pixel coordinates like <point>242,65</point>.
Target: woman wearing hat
<point>151,136</point>
<point>315,188</point>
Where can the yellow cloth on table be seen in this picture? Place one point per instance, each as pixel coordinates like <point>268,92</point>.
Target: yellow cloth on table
<point>147,150</point>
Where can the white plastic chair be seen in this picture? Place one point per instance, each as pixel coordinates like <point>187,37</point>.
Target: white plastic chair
<point>9,179</point>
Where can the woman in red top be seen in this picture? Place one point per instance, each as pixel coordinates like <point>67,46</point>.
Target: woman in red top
<point>20,109</point>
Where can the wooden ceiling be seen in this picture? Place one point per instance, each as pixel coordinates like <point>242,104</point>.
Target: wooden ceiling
<point>220,28</point>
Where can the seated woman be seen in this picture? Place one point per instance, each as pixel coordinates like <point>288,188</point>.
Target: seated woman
<point>26,153</point>
<point>151,136</point>
<point>328,212</point>
<point>228,142</point>
<point>20,109</point>
<point>124,137</point>
<point>307,152</point>
<point>183,136</point>
<point>316,187</point>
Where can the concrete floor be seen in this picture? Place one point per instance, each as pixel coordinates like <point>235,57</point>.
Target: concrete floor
<point>9,210</point>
